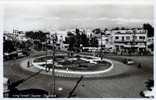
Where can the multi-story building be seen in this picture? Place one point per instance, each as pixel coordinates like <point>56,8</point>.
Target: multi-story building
<point>150,44</point>
<point>106,42</point>
<point>123,41</point>
<point>130,41</point>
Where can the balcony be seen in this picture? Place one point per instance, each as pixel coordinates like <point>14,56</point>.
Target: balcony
<point>127,41</point>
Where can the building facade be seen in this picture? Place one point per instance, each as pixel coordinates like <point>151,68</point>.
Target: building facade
<point>124,42</point>
<point>130,41</point>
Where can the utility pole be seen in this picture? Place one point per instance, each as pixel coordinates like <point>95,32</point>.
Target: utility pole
<point>46,52</point>
<point>53,67</point>
<point>133,41</point>
<point>101,46</point>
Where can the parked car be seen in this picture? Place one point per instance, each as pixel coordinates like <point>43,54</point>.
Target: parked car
<point>128,61</point>
<point>149,93</point>
<point>5,87</point>
<point>10,55</point>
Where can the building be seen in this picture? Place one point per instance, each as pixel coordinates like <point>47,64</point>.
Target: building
<point>150,44</point>
<point>59,40</point>
<point>123,41</point>
<point>106,42</point>
<point>130,41</point>
<point>15,36</point>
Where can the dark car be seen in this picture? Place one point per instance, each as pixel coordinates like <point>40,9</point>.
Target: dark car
<point>149,92</point>
<point>128,61</point>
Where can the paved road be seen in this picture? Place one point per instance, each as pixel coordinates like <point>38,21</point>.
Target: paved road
<point>127,83</point>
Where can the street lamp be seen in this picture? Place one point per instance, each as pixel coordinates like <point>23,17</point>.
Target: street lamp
<point>54,39</point>
<point>47,38</point>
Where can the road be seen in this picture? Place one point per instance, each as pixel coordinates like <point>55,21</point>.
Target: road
<point>118,84</point>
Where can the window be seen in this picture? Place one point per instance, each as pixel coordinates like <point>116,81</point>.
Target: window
<point>117,47</point>
<point>141,37</point>
<point>127,37</point>
<point>116,37</point>
<point>103,46</point>
<point>134,37</point>
<point>122,38</point>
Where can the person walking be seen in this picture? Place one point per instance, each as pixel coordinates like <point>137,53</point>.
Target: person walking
<point>28,64</point>
<point>139,66</point>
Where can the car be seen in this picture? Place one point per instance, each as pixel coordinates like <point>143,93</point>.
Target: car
<point>5,87</point>
<point>128,61</point>
<point>149,93</point>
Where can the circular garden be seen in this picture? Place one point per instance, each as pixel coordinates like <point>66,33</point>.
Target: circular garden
<point>73,65</point>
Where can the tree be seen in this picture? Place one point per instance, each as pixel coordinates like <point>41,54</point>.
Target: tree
<point>150,29</point>
<point>70,39</point>
<point>116,28</point>
<point>75,40</point>
<point>84,40</point>
<point>97,31</point>
<point>123,28</point>
<point>29,34</point>
<point>40,35</point>
<point>8,46</point>
<point>93,42</point>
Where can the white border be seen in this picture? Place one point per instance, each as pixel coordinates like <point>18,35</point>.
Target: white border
<point>71,2</point>
<point>1,50</point>
<point>80,2</point>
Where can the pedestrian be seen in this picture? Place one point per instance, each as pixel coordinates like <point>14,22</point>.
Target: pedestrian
<point>139,65</point>
<point>46,68</point>
<point>49,68</point>
<point>28,64</point>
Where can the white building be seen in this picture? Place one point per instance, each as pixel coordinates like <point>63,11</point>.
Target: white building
<point>123,41</point>
<point>106,42</point>
<point>130,40</point>
<point>15,35</point>
<point>150,44</point>
<point>60,39</point>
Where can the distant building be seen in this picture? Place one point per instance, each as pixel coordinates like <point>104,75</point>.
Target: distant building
<point>123,41</point>
<point>130,41</point>
<point>15,36</point>
<point>60,35</point>
<point>106,42</point>
<point>150,44</point>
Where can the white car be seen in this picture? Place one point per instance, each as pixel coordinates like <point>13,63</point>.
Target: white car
<point>128,61</point>
<point>148,93</point>
<point>5,87</point>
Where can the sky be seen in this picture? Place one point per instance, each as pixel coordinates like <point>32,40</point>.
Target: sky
<point>49,17</point>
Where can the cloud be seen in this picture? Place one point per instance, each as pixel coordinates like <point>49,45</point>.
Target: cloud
<point>131,20</point>
<point>70,16</point>
<point>118,19</point>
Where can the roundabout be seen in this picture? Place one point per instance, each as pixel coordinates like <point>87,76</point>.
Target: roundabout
<point>75,66</point>
<point>105,85</point>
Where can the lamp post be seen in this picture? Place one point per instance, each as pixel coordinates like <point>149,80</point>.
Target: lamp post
<point>133,43</point>
<point>47,38</point>
<point>53,66</point>
<point>101,46</point>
